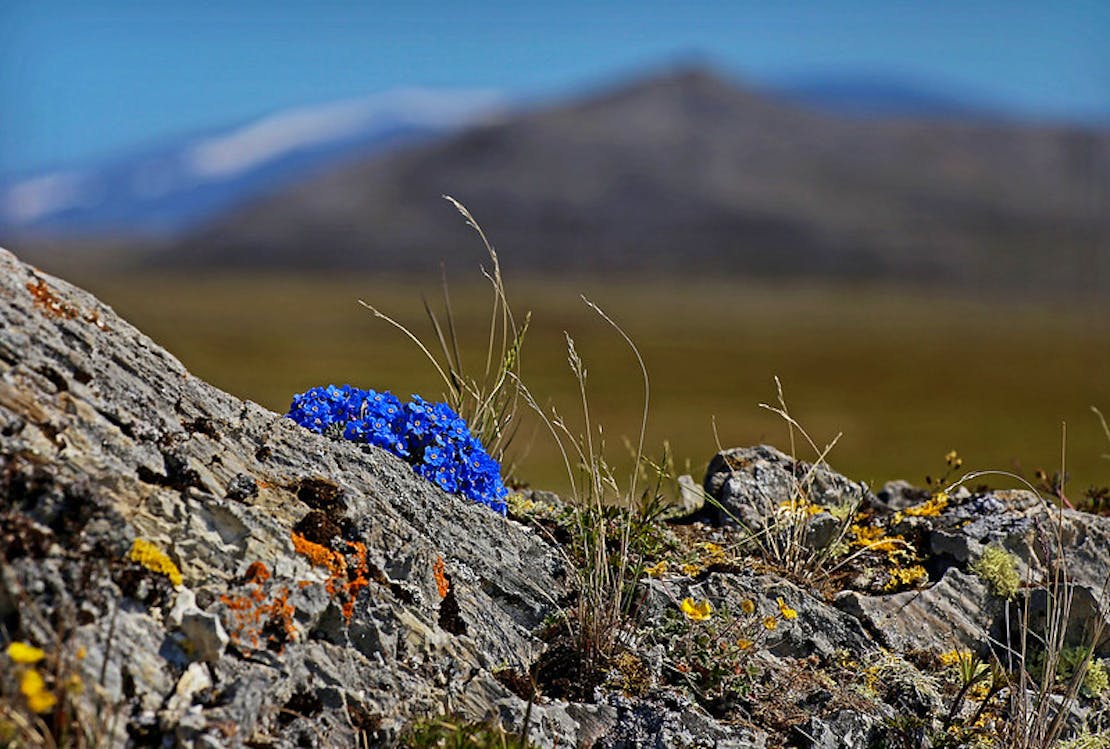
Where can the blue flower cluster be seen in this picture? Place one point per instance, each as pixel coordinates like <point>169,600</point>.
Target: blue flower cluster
<point>430,436</point>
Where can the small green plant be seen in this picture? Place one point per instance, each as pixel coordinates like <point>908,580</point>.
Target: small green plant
<point>977,681</point>
<point>997,568</point>
<point>1074,660</point>
<point>441,733</point>
<point>710,649</point>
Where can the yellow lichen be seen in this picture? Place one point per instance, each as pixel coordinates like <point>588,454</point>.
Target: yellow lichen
<point>786,611</point>
<point>873,537</point>
<point>155,560</point>
<point>713,551</point>
<point>747,606</point>
<point>953,657</point>
<point>930,508</point>
<point>901,577</point>
<point>658,569</point>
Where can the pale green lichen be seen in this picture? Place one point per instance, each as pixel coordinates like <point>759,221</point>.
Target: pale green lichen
<point>998,569</point>
<point>1096,680</point>
<point>1100,740</point>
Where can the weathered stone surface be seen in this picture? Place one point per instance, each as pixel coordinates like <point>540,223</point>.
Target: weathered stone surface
<point>105,438</point>
<point>748,484</point>
<point>955,612</point>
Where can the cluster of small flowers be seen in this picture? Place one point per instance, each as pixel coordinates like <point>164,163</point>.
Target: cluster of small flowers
<point>430,436</point>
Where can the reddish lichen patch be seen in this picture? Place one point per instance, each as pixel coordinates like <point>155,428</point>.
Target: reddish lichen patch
<point>259,618</point>
<point>346,576</point>
<point>439,570</point>
<point>49,302</point>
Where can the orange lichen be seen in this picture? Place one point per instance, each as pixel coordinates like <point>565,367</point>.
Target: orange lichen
<point>48,301</point>
<point>259,619</point>
<point>356,577</point>
<point>321,556</point>
<point>439,571</point>
<point>344,579</point>
<point>256,573</point>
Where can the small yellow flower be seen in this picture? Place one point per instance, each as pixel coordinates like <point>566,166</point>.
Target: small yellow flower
<point>744,644</point>
<point>691,570</point>
<point>34,689</point>
<point>787,612</point>
<point>657,570</point>
<point>770,622</point>
<point>21,652</point>
<point>74,685</point>
<point>747,606</point>
<point>696,611</point>
<point>81,653</point>
<point>42,702</point>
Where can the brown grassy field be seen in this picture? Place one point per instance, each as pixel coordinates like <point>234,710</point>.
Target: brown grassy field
<point>906,376</point>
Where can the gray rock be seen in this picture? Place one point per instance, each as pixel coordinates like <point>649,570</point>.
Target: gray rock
<point>205,638</point>
<point>747,485</point>
<point>842,729</point>
<point>898,495</point>
<point>958,611</point>
<point>692,495</point>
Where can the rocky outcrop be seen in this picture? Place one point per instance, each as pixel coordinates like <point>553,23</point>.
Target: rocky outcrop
<point>325,589</point>
<point>215,575</point>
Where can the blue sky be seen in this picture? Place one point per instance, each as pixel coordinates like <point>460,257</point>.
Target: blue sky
<point>84,80</point>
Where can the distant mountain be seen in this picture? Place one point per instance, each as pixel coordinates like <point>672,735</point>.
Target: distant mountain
<point>690,173</point>
<point>162,191</point>
<point>870,95</point>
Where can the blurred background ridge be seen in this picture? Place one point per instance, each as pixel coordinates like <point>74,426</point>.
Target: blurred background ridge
<point>648,175</point>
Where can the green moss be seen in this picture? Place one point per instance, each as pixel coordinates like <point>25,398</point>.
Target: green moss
<point>451,734</point>
<point>997,568</point>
